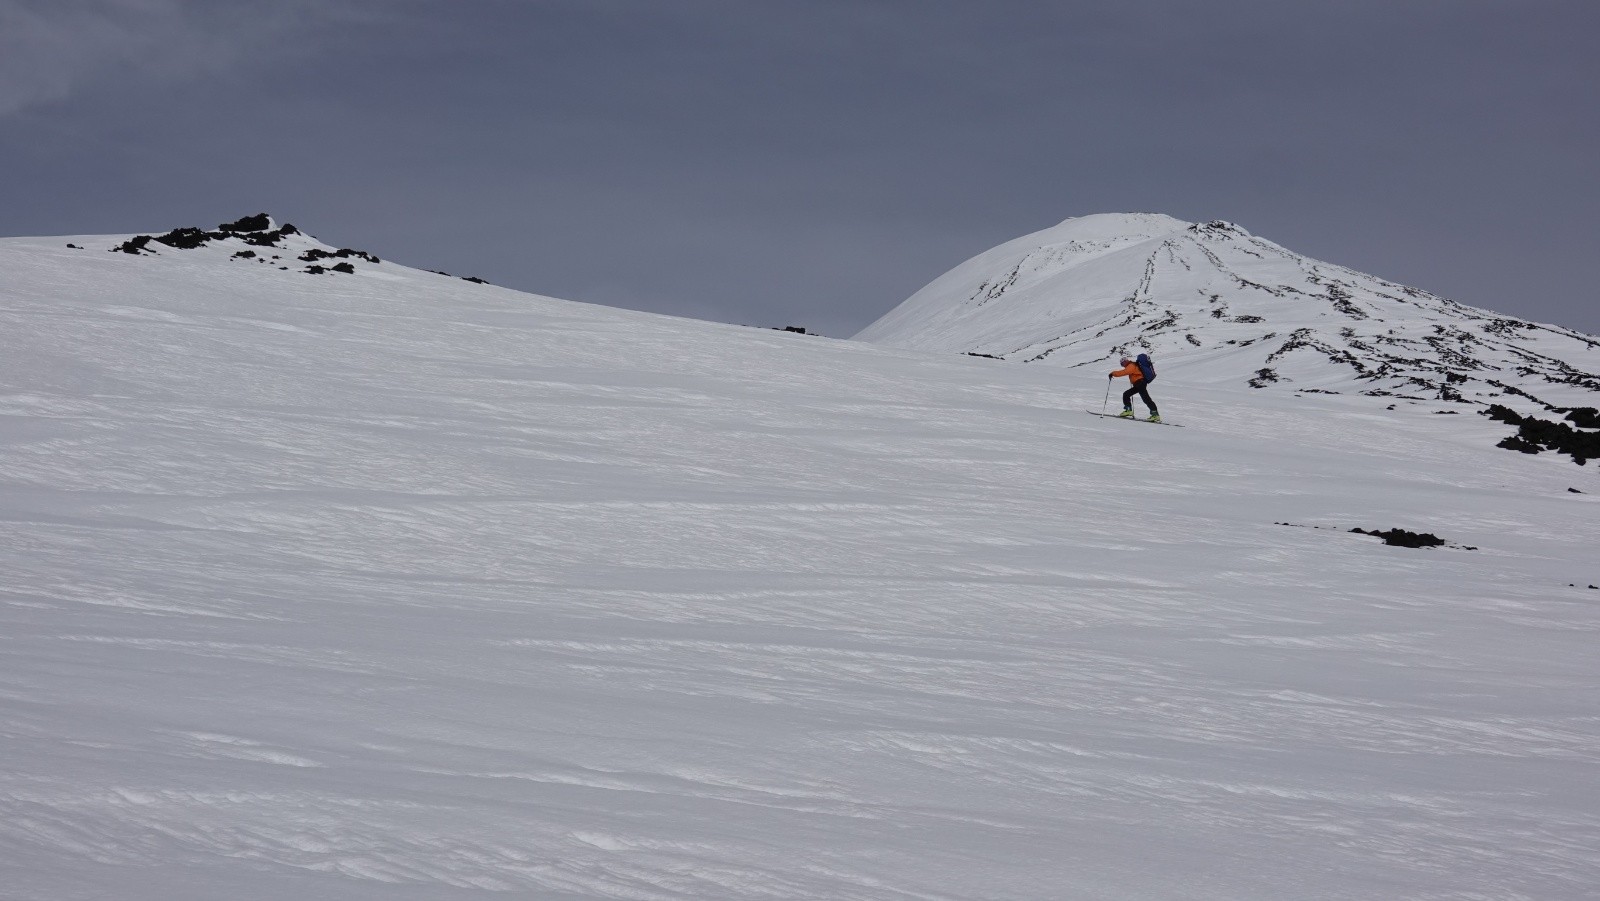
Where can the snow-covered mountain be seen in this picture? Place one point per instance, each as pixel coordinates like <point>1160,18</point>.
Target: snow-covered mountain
<point>1214,304</point>
<point>370,583</point>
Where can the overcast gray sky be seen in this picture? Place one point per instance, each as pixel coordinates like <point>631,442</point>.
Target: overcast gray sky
<point>813,162</point>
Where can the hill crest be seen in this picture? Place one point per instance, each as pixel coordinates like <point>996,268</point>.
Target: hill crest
<point>1224,306</point>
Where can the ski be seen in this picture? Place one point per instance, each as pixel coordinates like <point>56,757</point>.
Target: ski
<point>1131,419</point>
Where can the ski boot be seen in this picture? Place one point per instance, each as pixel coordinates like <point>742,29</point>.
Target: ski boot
<point>1154,417</point>
<point>1125,414</point>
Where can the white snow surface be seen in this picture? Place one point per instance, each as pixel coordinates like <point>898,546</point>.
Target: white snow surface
<point>387,585</point>
<point>1226,307</point>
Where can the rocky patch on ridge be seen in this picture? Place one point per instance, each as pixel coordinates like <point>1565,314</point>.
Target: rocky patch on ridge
<point>256,231</point>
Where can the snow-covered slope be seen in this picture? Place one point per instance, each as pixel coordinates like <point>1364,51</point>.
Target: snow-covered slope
<point>1216,305</point>
<point>380,585</point>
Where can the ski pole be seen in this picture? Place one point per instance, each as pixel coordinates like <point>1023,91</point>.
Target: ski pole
<point>1107,399</point>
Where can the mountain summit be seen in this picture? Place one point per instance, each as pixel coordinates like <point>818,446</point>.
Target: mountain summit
<point>1230,307</point>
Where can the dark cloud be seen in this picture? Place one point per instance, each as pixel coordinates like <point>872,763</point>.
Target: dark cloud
<point>50,49</point>
<point>814,163</point>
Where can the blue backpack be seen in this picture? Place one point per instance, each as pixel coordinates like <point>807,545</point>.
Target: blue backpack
<point>1147,369</point>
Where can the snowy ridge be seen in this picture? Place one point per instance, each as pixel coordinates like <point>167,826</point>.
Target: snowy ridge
<point>1226,307</point>
<point>380,584</point>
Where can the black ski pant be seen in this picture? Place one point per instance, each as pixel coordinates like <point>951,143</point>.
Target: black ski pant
<point>1144,395</point>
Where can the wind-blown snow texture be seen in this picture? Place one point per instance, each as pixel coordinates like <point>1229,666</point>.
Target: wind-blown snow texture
<point>1227,307</point>
<point>382,585</point>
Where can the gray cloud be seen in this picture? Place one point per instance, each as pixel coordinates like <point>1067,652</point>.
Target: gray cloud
<point>49,48</point>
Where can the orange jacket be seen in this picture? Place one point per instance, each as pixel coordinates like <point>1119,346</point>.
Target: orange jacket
<point>1131,371</point>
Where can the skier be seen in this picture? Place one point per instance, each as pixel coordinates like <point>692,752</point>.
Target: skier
<point>1141,372</point>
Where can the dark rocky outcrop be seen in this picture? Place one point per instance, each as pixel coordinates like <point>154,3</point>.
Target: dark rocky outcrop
<point>1403,538</point>
<point>250,229</point>
<point>1395,537</point>
<point>1583,417</point>
<point>260,222</point>
<point>270,238</point>
<point>319,269</point>
<point>135,245</point>
<point>466,278</point>
<point>317,253</point>
<point>189,238</point>
<point>1535,435</point>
